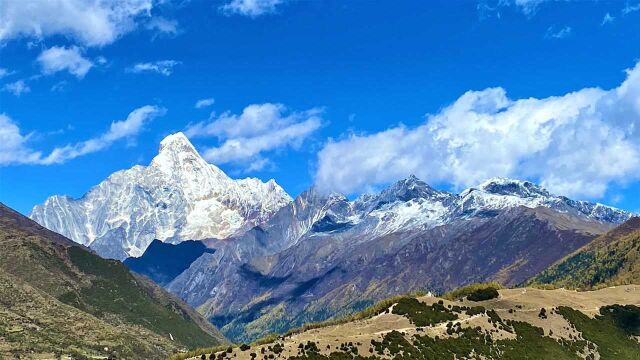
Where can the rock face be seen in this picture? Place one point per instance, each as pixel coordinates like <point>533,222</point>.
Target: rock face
<point>323,255</point>
<point>179,196</point>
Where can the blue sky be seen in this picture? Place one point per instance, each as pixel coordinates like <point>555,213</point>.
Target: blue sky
<point>348,95</point>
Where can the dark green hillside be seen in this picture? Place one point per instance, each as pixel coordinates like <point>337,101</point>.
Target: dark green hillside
<point>58,297</point>
<point>610,259</point>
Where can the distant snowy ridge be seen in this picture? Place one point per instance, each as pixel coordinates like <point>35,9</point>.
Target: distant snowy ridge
<point>179,196</point>
<point>411,204</point>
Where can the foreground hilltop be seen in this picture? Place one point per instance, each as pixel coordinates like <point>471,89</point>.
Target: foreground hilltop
<point>59,298</point>
<point>523,323</point>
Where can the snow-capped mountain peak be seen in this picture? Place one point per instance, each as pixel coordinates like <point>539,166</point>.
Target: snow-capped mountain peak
<point>179,196</point>
<point>501,193</point>
<point>513,187</point>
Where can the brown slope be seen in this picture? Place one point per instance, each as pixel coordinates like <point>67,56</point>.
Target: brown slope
<point>58,297</point>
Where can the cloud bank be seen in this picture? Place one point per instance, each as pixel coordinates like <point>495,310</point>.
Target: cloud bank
<point>14,147</point>
<point>261,128</point>
<point>90,22</point>
<point>576,144</point>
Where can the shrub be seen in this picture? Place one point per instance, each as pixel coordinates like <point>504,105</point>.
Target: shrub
<point>466,291</point>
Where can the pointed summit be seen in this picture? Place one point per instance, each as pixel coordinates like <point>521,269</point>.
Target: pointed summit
<point>178,155</point>
<point>177,142</point>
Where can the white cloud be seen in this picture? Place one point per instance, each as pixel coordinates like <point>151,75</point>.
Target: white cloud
<point>259,129</point>
<point>204,103</point>
<point>4,72</point>
<point>529,7</point>
<point>59,86</point>
<point>58,58</point>
<point>607,19</point>
<point>628,9</point>
<point>250,8</point>
<point>91,22</point>
<point>576,144</point>
<point>15,150</point>
<point>17,88</point>
<point>558,34</point>
<point>13,144</point>
<point>164,26</point>
<point>164,67</point>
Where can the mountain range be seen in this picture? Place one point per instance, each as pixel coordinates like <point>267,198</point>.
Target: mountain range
<point>267,263</point>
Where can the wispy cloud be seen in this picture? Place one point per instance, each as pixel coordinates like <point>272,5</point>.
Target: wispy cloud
<point>58,58</point>
<point>558,34</point>
<point>14,147</point>
<point>202,103</point>
<point>250,8</point>
<point>607,19</point>
<point>529,8</point>
<point>59,86</point>
<point>628,9</point>
<point>17,88</point>
<point>5,72</point>
<point>163,67</point>
<point>163,26</point>
<point>261,128</point>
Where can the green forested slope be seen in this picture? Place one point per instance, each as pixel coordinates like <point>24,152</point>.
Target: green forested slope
<point>59,298</point>
<point>610,259</point>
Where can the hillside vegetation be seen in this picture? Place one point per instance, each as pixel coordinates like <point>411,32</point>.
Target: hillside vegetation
<point>610,259</point>
<point>58,298</point>
<point>524,323</point>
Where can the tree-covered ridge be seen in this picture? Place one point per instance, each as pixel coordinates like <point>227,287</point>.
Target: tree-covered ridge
<point>610,259</point>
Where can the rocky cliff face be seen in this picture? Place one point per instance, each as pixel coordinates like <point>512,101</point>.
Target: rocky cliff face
<point>179,196</point>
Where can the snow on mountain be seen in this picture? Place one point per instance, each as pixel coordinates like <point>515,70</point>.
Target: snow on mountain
<point>502,193</point>
<point>411,204</point>
<point>179,196</point>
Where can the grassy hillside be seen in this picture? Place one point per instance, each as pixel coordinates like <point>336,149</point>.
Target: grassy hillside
<point>524,323</point>
<point>610,259</point>
<point>59,298</point>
